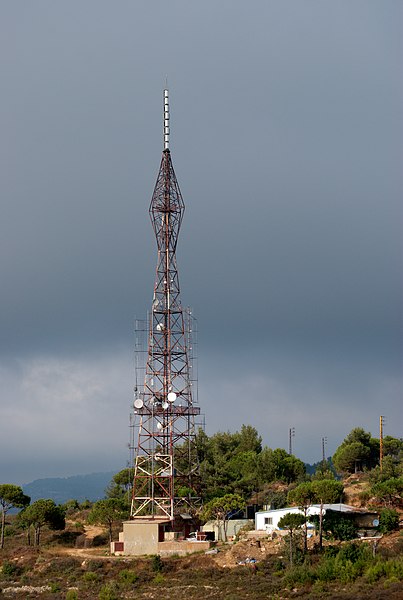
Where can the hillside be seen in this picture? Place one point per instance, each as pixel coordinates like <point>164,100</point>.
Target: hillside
<point>60,489</point>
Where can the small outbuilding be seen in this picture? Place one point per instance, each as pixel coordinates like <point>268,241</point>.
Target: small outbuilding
<point>366,522</point>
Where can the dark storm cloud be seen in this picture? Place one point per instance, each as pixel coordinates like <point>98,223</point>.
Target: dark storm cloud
<point>287,137</point>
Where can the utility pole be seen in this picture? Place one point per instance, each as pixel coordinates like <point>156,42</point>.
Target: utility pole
<point>324,443</point>
<point>291,435</point>
<point>381,424</point>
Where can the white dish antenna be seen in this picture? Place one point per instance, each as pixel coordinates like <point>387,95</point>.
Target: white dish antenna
<point>138,403</point>
<point>160,426</point>
<point>171,397</point>
<point>165,405</point>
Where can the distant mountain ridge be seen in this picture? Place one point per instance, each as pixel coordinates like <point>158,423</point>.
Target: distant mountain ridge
<point>79,487</point>
<point>85,487</point>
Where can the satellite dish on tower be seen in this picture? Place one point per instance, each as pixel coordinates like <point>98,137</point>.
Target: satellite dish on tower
<point>138,403</point>
<point>165,405</point>
<point>160,426</point>
<point>171,397</point>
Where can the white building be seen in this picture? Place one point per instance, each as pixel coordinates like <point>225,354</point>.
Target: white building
<point>267,520</point>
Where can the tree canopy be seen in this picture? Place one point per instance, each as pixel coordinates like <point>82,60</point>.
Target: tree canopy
<point>40,513</point>
<point>358,450</point>
<point>221,509</point>
<point>11,496</point>
<point>237,463</point>
<point>106,512</point>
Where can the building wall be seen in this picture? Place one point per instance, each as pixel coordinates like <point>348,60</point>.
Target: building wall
<point>268,520</point>
<point>234,525</point>
<point>139,538</point>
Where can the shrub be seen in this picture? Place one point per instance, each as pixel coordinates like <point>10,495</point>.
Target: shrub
<point>9,531</point>
<point>95,565</point>
<point>156,563</point>
<point>159,579</point>
<point>375,572</point>
<point>68,538</point>
<point>100,540</point>
<point>301,574</point>
<point>71,595</point>
<point>10,569</point>
<point>90,577</point>
<point>54,587</point>
<point>326,570</point>
<point>108,592</point>
<point>353,552</point>
<point>128,577</point>
<point>388,520</point>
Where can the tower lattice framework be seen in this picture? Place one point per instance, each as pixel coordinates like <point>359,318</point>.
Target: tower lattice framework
<point>165,463</point>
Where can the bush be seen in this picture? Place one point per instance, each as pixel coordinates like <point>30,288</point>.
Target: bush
<point>326,571</point>
<point>68,538</point>
<point>9,531</point>
<point>71,595</point>
<point>159,579</point>
<point>156,564</point>
<point>128,577</point>
<point>100,540</point>
<point>95,565</point>
<point>10,569</point>
<point>108,592</point>
<point>301,574</point>
<point>353,552</point>
<point>388,520</point>
<point>90,577</point>
<point>375,572</point>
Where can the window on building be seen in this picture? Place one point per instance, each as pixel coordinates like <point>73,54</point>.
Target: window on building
<point>268,521</point>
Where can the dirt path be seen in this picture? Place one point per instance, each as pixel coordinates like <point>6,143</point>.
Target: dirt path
<point>99,552</point>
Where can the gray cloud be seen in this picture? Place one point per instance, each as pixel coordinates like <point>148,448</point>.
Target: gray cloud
<point>287,141</point>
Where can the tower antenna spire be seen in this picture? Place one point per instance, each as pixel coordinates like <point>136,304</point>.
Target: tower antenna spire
<point>166,116</point>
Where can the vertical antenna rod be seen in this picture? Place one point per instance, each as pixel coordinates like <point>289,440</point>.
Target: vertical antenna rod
<point>166,119</point>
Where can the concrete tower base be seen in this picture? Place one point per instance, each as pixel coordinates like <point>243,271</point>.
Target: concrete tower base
<point>147,536</point>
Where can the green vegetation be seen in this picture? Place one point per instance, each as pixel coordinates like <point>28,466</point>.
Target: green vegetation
<point>11,496</point>
<point>121,485</point>
<point>292,522</point>
<point>358,450</point>
<point>157,564</point>
<point>222,508</point>
<point>388,520</point>
<point>40,513</point>
<point>388,492</point>
<point>107,512</point>
<point>303,497</point>
<point>236,471</point>
<point>236,463</point>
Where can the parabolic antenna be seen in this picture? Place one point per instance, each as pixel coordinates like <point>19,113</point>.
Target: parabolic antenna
<point>165,405</point>
<point>171,397</point>
<point>160,426</point>
<point>138,403</point>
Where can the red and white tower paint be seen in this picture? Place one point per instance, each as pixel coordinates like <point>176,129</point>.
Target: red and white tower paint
<point>166,475</point>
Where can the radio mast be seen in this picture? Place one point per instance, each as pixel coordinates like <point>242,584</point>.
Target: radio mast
<point>166,473</point>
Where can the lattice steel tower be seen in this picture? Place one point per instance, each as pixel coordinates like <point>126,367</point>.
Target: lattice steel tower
<point>165,462</point>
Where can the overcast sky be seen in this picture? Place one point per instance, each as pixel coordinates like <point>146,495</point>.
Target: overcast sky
<point>287,141</point>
